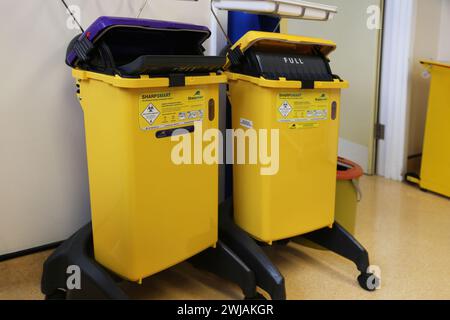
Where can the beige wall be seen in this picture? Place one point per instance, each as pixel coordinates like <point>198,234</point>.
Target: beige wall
<point>357,60</point>
<point>444,42</point>
<point>431,41</point>
<point>44,192</point>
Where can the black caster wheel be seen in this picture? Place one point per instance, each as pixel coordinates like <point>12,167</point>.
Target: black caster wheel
<point>57,295</point>
<point>257,297</point>
<point>369,281</point>
<point>262,244</point>
<point>283,243</point>
<point>412,175</point>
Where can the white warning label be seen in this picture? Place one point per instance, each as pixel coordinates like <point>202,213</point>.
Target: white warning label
<point>285,109</point>
<point>151,113</point>
<point>246,123</point>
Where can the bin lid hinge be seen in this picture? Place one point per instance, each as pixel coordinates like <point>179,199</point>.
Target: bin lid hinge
<point>83,47</point>
<point>308,84</point>
<point>336,77</point>
<point>177,80</point>
<point>235,56</point>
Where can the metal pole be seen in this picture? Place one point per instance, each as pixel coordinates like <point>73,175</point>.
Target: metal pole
<point>73,16</point>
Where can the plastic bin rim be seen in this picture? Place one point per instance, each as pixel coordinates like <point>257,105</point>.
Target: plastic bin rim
<point>283,83</point>
<point>436,63</point>
<point>355,171</point>
<point>146,81</point>
<point>105,23</point>
<point>253,37</point>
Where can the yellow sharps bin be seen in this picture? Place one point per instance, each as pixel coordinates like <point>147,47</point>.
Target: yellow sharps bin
<point>435,169</point>
<point>139,82</point>
<point>348,193</point>
<point>284,82</point>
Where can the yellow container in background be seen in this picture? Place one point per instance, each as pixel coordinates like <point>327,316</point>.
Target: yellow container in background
<point>346,205</point>
<point>348,193</point>
<point>435,171</point>
<point>147,213</point>
<point>300,197</point>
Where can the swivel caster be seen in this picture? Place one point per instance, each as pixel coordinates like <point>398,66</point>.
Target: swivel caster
<point>369,281</point>
<point>57,295</point>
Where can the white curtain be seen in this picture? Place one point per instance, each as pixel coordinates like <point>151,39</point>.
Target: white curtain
<point>394,95</point>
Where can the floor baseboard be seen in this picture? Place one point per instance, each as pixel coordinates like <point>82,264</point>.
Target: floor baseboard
<point>26,252</point>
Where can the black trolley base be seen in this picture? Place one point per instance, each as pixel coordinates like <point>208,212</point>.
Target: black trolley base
<point>335,239</point>
<point>341,242</point>
<point>267,276</point>
<point>98,283</point>
<point>237,258</point>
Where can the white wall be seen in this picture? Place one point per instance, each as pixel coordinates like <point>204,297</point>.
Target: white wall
<point>44,194</point>
<point>395,87</point>
<point>188,11</point>
<point>425,46</point>
<point>444,41</point>
<point>356,60</point>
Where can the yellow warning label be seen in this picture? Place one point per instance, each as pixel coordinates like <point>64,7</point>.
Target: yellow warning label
<point>303,110</point>
<point>167,109</point>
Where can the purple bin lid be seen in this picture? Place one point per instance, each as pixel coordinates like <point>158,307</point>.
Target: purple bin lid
<point>102,24</point>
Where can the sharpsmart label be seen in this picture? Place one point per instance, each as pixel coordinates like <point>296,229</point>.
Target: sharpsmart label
<point>305,107</point>
<point>166,109</point>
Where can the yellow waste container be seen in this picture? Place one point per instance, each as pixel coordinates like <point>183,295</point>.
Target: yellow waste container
<point>284,82</point>
<point>348,193</point>
<point>139,80</point>
<point>435,168</point>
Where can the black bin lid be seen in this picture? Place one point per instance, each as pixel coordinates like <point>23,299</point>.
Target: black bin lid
<point>131,47</point>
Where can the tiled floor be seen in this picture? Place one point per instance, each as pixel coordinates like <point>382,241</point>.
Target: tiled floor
<point>406,231</point>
